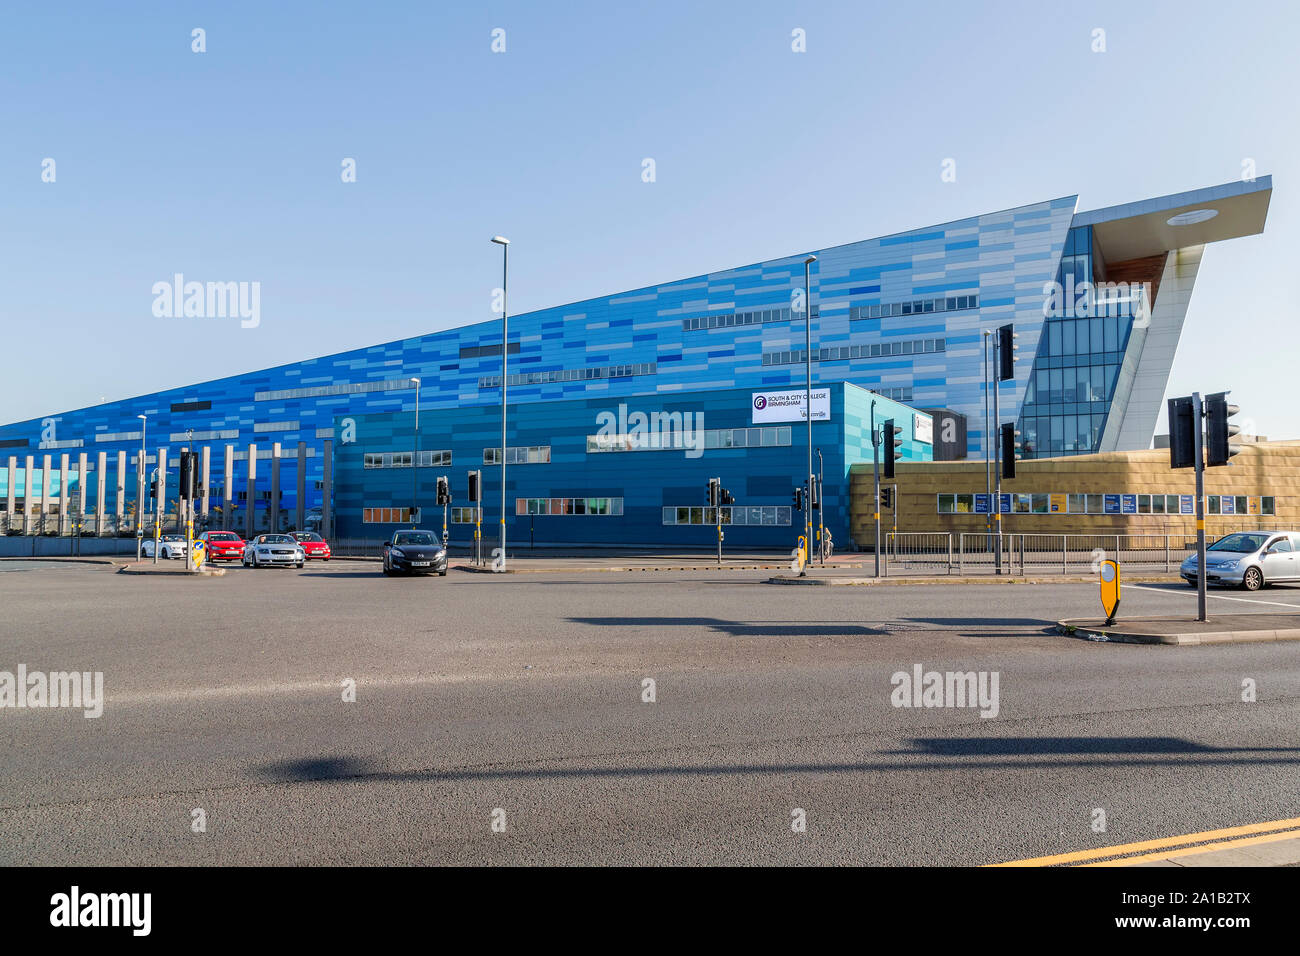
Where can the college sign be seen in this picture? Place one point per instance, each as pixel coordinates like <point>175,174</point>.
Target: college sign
<point>789,406</point>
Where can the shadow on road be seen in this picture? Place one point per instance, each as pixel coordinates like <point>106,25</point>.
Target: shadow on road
<point>1092,752</point>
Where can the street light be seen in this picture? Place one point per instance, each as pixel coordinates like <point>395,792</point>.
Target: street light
<point>139,495</point>
<point>415,461</point>
<point>504,243</point>
<point>807,311</point>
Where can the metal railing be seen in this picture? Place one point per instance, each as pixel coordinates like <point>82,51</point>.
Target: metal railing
<point>966,553</point>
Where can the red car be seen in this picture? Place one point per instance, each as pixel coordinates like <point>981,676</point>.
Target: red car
<point>313,545</point>
<point>223,546</point>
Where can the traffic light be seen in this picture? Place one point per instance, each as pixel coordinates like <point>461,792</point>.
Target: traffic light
<point>1218,430</point>
<point>1006,352</point>
<point>727,499</point>
<point>886,497</point>
<point>153,488</point>
<point>711,493</point>
<point>444,491</point>
<point>798,499</point>
<point>473,486</point>
<point>1009,449</point>
<point>189,472</point>
<point>1182,432</point>
<point>889,434</point>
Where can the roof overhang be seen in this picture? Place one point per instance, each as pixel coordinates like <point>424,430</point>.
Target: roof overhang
<point>1140,229</point>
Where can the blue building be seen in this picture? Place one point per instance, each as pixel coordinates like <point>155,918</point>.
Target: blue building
<point>1097,300</point>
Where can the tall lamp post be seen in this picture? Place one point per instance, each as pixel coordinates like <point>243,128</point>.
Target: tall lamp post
<point>504,243</point>
<point>415,460</point>
<point>807,311</point>
<point>139,495</point>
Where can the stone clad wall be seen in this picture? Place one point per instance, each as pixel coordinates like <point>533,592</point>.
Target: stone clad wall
<point>1269,468</point>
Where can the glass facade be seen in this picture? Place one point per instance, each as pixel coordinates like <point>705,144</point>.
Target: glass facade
<point>1081,348</point>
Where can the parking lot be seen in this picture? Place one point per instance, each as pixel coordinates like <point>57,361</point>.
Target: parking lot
<point>526,694</point>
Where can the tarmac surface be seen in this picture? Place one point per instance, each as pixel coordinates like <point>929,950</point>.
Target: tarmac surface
<point>521,701</point>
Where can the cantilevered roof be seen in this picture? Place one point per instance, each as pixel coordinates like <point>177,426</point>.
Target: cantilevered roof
<point>1153,226</point>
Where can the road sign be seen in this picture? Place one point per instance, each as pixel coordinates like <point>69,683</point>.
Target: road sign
<point>1110,589</point>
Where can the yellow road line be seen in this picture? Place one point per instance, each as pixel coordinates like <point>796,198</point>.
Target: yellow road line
<point>1125,848</point>
<point>1207,848</point>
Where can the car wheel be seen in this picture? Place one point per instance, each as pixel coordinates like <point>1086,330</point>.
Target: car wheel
<point>1253,579</point>
<point>442,573</point>
<point>298,565</point>
<point>1192,583</point>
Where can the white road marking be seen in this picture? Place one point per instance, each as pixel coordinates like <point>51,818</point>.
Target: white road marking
<point>1217,597</point>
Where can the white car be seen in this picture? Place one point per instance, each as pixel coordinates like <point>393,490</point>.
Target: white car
<point>171,546</point>
<point>281,549</point>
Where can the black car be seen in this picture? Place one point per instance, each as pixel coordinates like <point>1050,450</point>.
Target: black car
<point>414,552</point>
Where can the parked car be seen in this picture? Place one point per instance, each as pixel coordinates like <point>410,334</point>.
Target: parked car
<point>169,546</point>
<point>313,545</point>
<point>273,549</point>
<point>1249,559</point>
<point>223,545</point>
<point>414,552</point>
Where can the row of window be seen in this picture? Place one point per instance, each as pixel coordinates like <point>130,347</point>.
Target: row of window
<point>1106,504</point>
<point>751,515</point>
<point>1085,336</point>
<point>405,459</point>
<point>521,455</point>
<point>319,391</point>
<point>755,317</point>
<point>843,352</point>
<point>674,439</point>
<point>570,375</point>
<point>261,427</point>
<point>569,506</point>
<point>225,434</point>
<point>1061,434</point>
<point>482,351</point>
<point>951,303</point>
<point>386,515</point>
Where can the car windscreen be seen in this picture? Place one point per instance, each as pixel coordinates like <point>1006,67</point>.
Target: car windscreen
<point>1240,543</point>
<point>308,536</point>
<point>275,539</point>
<point>227,536</point>
<point>414,537</point>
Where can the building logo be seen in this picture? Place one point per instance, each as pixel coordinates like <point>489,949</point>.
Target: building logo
<point>789,406</point>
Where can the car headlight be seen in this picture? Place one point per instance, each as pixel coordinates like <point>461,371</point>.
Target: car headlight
<point>1229,565</point>
<point>397,553</point>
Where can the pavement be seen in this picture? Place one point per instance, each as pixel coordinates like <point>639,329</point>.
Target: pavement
<point>523,700</point>
<point>1219,629</point>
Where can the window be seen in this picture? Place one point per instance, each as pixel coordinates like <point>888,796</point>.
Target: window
<point>1212,504</point>
<point>1267,505</point>
<point>570,375</point>
<point>1041,504</point>
<point>1144,504</point>
<point>519,455</point>
<point>1022,504</point>
<point>965,504</point>
<point>319,391</point>
<point>1171,504</point>
<point>947,504</point>
<point>463,515</point>
<point>769,515</point>
<point>1096,505</point>
<point>1077,504</point>
<point>403,459</point>
<point>1241,505</point>
<point>571,506</point>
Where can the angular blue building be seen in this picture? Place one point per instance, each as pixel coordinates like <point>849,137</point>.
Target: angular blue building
<point>1097,300</point>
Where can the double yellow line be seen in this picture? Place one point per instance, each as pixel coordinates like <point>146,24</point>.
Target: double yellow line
<point>1127,854</point>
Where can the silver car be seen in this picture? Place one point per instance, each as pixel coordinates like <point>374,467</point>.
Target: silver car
<point>1249,559</point>
<point>280,549</point>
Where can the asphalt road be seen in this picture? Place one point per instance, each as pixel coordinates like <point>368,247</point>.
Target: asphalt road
<point>524,693</point>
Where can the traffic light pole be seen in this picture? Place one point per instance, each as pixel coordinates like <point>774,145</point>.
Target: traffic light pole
<point>875,475</point>
<point>821,510</point>
<point>995,503</point>
<point>1197,416</point>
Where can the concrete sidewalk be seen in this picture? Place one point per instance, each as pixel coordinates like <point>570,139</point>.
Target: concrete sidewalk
<point>1220,629</point>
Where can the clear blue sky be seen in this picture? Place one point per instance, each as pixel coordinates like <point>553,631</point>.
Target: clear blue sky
<point>225,165</point>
